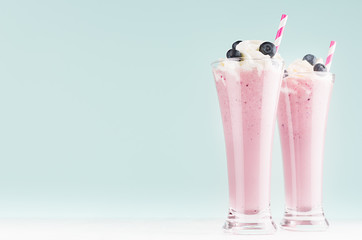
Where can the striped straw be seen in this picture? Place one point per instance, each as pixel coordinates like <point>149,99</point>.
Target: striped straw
<point>331,50</point>
<point>279,36</point>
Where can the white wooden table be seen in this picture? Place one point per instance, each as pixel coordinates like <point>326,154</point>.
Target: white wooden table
<point>155,229</point>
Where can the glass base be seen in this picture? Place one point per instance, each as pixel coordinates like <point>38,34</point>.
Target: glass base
<point>256,223</point>
<point>312,221</point>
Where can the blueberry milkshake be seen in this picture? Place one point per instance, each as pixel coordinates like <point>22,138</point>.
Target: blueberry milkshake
<point>302,116</point>
<point>248,83</point>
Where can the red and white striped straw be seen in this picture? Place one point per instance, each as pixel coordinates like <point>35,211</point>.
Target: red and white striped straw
<point>279,36</point>
<point>329,59</point>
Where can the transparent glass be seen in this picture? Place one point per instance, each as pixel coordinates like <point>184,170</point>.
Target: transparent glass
<point>248,92</point>
<point>302,117</point>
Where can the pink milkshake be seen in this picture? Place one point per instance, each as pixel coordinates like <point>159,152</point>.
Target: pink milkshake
<point>302,116</point>
<point>248,90</point>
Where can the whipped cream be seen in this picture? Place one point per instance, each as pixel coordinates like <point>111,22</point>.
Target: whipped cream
<point>252,58</point>
<point>250,50</point>
<point>300,65</point>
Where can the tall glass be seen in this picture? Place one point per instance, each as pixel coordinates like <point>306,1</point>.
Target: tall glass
<point>302,117</point>
<point>248,92</point>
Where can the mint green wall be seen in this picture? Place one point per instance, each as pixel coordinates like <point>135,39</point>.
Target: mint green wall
<point>108,108</point>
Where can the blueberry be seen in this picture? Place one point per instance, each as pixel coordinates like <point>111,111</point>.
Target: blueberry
<point>232,53</point>
<point>319,67</point>
<point>310,58</point>
<point>236,43</point>
<point>285,73</point>
<point>268,48</point>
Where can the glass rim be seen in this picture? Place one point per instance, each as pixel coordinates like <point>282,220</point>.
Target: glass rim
<point>306,73</point>
<point>314,73</point>
<point>246,59</point>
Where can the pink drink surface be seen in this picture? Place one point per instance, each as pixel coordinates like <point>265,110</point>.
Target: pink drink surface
<point>302,117</point>
<point>248,102</point>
